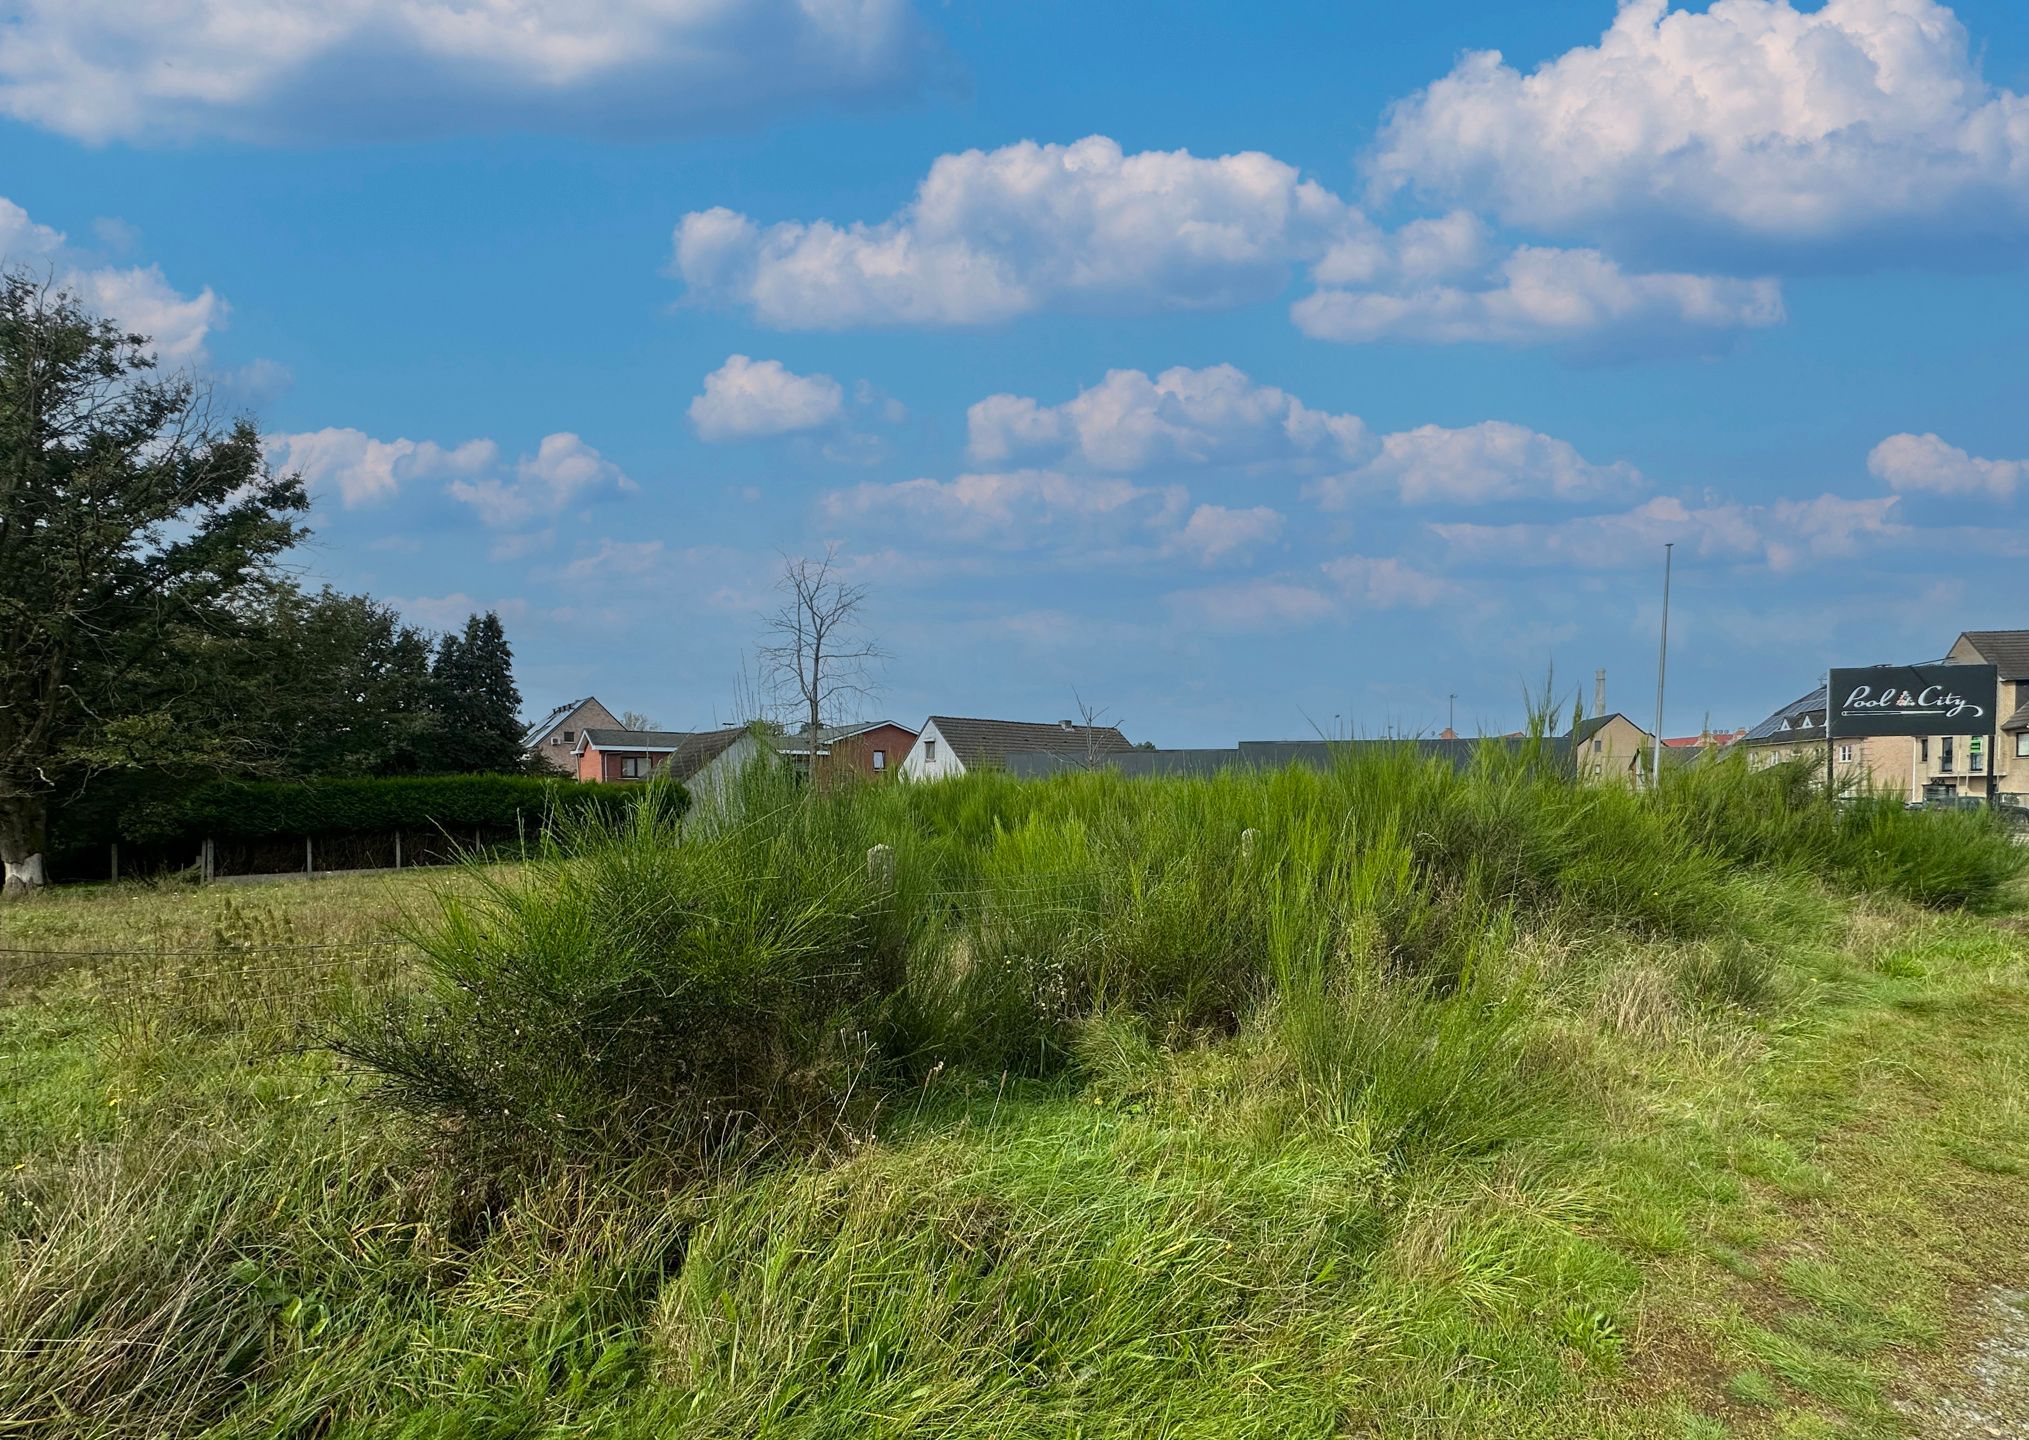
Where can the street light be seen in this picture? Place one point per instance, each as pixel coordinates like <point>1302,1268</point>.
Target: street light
<point>1662,668</point>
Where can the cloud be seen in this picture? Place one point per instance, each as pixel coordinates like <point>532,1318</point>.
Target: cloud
<point>361,470</point>
<point>1780,535</point>
<point>1012,509</point>
<point>992,235</point>
<point>1388,583</point>
<point>1751,121</point>
<point>1539,296</point>
<point>563,470</point>
<point>138,297</point>
<point>1352,585</point>
<point>1926,464</point>
<point>101,70</point>
<point>744,399</point>
<point>1182,417</point>
<point>1267,603</point>
<point>1492,461</point>
<point>1214,533</point>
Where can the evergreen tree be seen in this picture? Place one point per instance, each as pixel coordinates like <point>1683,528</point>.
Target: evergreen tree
<point>478,707</point>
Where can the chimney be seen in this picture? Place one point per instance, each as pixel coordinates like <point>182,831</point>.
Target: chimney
<point>1598,693</point>
<point>1067,724</point>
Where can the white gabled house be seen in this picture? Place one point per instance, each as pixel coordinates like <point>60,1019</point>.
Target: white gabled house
<point>953,744</point>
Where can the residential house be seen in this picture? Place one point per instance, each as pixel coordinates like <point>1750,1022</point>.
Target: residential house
<point>1950,766</point>
<point>1611,749</point>
<point>951,745</point>
<point>704,761</point>
<point>871,748</point>
<point>1796,731</point>
<point>553,740</point>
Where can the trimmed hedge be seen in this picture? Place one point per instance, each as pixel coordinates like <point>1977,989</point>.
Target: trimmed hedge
<point>254,809</point>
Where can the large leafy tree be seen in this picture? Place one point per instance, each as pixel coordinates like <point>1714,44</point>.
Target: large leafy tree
<point>128,515</point>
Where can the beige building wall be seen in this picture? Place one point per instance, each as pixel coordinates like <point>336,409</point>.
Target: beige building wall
<point>1618,752</point>
<point>2005,771</point>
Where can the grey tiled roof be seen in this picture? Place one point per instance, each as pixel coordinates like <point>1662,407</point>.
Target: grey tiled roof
<point>689,752</point>
<point>991,742</point>
<point>2019,720</point>
<point>543,726</point>
<point>2006,650</point>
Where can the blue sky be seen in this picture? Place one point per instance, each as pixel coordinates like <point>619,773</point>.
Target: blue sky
<point>1245,370</point>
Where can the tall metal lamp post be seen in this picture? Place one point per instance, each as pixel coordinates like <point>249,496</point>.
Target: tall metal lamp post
<point>1662,670</point>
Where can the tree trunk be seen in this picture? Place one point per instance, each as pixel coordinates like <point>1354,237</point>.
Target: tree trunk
<point>24,831</point>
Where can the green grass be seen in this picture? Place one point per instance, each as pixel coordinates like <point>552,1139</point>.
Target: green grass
<point>1464,1105</point>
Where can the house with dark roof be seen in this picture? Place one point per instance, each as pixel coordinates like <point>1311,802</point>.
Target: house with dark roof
<point>553,739</point>
<point>1611,749</point>
<point>1966,768</point>
<point>951,744</point>
<point>702,760</point>
<point>1796,731</point>
<point>870,748</point>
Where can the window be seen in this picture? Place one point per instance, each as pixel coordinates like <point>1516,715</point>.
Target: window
<point>634,767</point>
<point>1977,763</point>
<point>2022,744</point>
<point>1923,749</point>
<point>1597,746</point>
<point>930,751</point>
<point>568,736</point>
<point>1944,754</point>
<point>880,760</point>
<point>1846,754</point>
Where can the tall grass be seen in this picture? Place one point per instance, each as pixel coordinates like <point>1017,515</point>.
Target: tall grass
<point>677,988</point>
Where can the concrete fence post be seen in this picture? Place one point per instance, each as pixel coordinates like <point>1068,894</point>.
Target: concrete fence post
<point>116,862</point>
<point>208,860</point>
<point>309,858</point>
<point>1248,839</point>
<point>398,849</point>
<point>881,867</point>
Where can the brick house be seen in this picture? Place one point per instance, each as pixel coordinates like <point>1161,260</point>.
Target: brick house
<point>553,740</point>
<point>702,760</point>
<point>871,748</point>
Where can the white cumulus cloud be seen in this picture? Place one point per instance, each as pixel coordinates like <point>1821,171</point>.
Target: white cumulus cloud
<point>360,470</point>
<point>1214,532</point>
<point>1131,422</point>
<point>1925,463</point>
<point>1781,534</point>
<point>1856,121</point>
<point>1495,460</point>
<point>1538,295</point>
<point>1011,509</point>
<point>138,297</point>
<point>992,235</point>
<point>744,399</point>
<point>103,70</point>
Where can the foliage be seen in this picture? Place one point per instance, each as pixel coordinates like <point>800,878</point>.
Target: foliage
<point>250,809</point>
<point>659,997</point>
<point>478,708</point>
<point>125,513</point>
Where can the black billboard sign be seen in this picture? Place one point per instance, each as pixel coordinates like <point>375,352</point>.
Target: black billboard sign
<point>1913,700</point>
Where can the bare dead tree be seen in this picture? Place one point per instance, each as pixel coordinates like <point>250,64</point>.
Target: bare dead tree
<point>1090,717</point>
<point>819,657</point>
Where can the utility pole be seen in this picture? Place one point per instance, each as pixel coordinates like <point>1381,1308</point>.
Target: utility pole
<point>1451,712</point>
<point>1662,670</point>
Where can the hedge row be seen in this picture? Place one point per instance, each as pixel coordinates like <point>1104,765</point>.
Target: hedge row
<point>252,809</point>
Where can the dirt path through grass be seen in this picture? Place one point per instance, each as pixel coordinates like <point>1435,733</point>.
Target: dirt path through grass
<point>1990,1395</point>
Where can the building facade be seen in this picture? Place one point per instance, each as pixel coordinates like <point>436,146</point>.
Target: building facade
<point>1990,764</point>
<point>553,740</point>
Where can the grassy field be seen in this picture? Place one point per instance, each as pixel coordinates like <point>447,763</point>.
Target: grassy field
<point>1441,1105</point>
